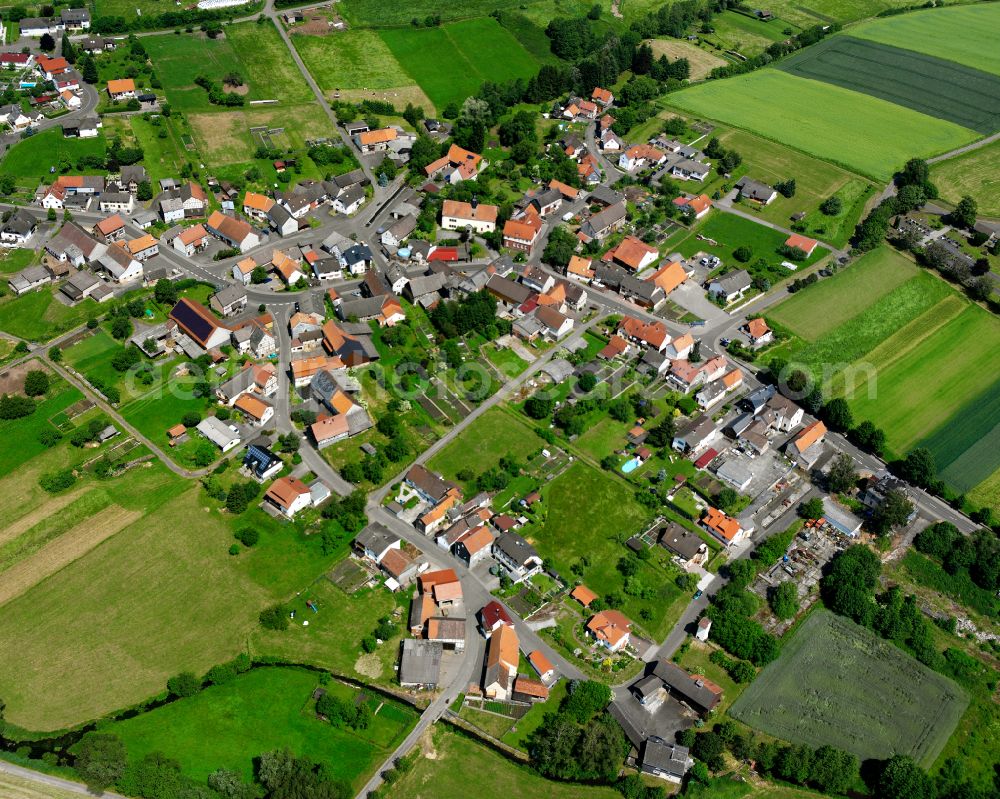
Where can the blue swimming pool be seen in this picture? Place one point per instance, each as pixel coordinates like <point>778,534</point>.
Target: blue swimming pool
<point>631,465</point>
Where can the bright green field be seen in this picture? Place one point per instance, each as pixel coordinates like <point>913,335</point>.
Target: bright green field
<point>254,51</point>
<point>815,312</point>
<point>20,436</point>
<point>31,158</point>
<point>459,762</point>
<point>15,260</point>
<point>480,446</point>
<point>351,59</point>
<point>892,704</point>
<point>39,316</point>
<point>732,232</point>
<point>966,34</point>
<point>226,726</point>
<point>466,54</point>
<point>974,174</point>
<point>865,134</point>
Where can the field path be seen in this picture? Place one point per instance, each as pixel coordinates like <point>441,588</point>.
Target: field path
<point>966,149</point>
<point>68,547</point>
<point>29,520</point>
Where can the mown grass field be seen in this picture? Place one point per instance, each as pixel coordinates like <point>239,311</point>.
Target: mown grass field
<point>254,51</point>
<point>161,596</point>
<point>20,436</point>
<point>870,136</point>
<point>702,61</point>
<point>13,787</point>
<point>375,14</point>
<point>815,180</point>
<point>739,32</point>
<point>813,313</point>
<point>974,174</point>
<point>350,59</point>
<point>814,12</point>
<point>452,762</point>
<point>466,54</point>
<point>227,726</point>
<point>480,446</point>
<point>892,705</point>
<point>732,232</point>
<point>964,34</point>
<point>30,159</point>
<point>39,316</point>
<point>919,81</point>
<point>15,260</point>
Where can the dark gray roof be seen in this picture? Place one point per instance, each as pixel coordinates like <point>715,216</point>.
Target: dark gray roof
<point>20,222</point>
<point>509,291</point>
<point>739,280</point>
<point>375,537</point>
<point>515,547</point>
<point>754,189</point>
<point>680,682</point>
<point>420,663</point>
<point>680,541</point>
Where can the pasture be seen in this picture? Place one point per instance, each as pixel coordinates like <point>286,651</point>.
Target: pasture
<point>453,762</point>
<point>964,34</point>
<point>189,604</point>
<point>227,726</point>
<point>494,435</point>
<point>466,54</point>
<point>815,180</point>
<point>255,52</point>
<point>702,61</point>
<point>813,313</point>
<point>39,316</point>
<point>866,134</point>
<point>892,704</point>
<point>974,174</point>
<point>943,89</point>
<point>30,159</point>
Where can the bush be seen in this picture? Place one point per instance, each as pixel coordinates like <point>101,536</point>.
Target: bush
<point>274,617</point>
<point>14,406</point>
<point>57,481</point>
<point>184,684</point>
<point>247,536</point>
<point>36,383</point>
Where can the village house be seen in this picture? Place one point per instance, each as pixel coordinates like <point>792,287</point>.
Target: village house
<point>695,435</point>
<point>723,527</point>
<point>502,659</point>
<point>143,248</point>
<point>257,411</point>
<point>288,495</point>
<point>640,156</point>
<point>219,433</point>
<point>370,141</point>
<point>457,165</point>
<point>610,628</point>
<point>192,240</point>
<point>121,89</point>
<point>18,228</point>
<point>632,254</point>
<point>807,447</point>
<point>199,324</point>
<point>604,223</point>
<point>731,286</point>
<point>242,270</point>
<point>696,207</point>
<point>229,301</point>
<point>758,332</point>
<point>518,558</point>
<point>522,233</point>
<point>120,264</point>
<point>686,547</point>
<point>800,242</point>
<point>233,232</point>
<point>755,191</point>
<point>256,206</point>
<point>472,216</point>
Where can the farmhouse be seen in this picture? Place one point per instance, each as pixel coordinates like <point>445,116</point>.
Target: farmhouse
<point>288,495</point>
<point>604,223</point>
<point>219,433</point>
<point>234,232</point>
<point>370,141</point>
<point>420,664</point>
<point>696,691</point>
<point>668,761</point>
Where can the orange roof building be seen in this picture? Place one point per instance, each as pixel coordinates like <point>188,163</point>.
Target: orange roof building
<point>502,659</point>
<point>541,664</point>
<point>602,96</point>
<point>723,527</point>
<point>121,87</point>
<point>580,267</point>
<point>652,334</point>
<point>141,244</point>
<point>813,434</point>
<point>373,138</point>
<point>583,595</point>
<point>632,254</point>
<point>532,689</point>
<point>804,243</point>
<point>257,204</point>
<point>611,629</point>
<point>108,226</point>
<point>567,191</point>
<point>289,495</point>
<point>757,328</point>
<point>669,276</point>
<point>255,408</point>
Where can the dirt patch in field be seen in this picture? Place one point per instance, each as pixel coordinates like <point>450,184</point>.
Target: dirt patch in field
<point>369,666</point>
<point>399,96</point>
<point>70,546</point>
<point>315,26</point>
<point>702,62</point>
<point>230,89</point>
<point>49,508</point>
<point>12,379</point>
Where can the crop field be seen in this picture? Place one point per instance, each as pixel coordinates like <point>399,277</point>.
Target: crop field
<point>195,613</point>
<point>815,180</point>
<point>943,89</point>
<point>479,447</point>
<point>254,51</point>
<point>974,174</point>
<point>891,705</point>
<point>813,313</point>
<point>453,762</point>
<point>906,351</point>
<point>864,133</point>
<point>466,54</point>
<point>966,34</point>
<point>227,726</point>
<point>702,61</point>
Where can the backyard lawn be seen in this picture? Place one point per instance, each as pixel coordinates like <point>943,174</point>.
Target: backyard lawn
<point>30,159</point>
<point>731,232</point>
<point>227,726</point>
<point>40,316</point>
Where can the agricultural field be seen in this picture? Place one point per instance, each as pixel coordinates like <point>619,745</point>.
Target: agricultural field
<point>375,14</point>
<point>451,763</point>
<point>13,787</point>
<point>467,54</point>
<point>358,61</point>
<point>972,174</point>
<point>905,349</point>
<point>255,52</point>
<point>196,613</point>
<point>893,704</point>
<point>815,180</point>
<point>823,11</point>
<point>480,446</point>
<point>702,61</point>
<point>744,34</point>
<point>845,295</point>
<point>41,316</point>
<point>30,159</point>
<point>223,138</point>
<point>933,86</point>
<point>865,134</point>
<point>227,726</point>
<point>965,34</point>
